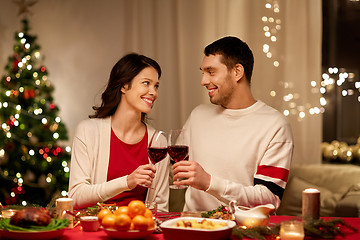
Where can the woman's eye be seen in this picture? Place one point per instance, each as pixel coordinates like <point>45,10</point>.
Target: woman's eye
<point>146,83</point>
<point>157,86</point>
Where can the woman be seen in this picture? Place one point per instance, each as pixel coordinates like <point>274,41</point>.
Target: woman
<point>109,161</point>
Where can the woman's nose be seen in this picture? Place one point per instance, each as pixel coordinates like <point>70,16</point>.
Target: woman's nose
<point>152,90</point>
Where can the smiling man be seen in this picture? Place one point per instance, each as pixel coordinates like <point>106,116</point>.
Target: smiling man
<point>240,148</point>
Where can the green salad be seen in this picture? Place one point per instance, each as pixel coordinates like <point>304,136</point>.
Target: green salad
<point>55,224</point>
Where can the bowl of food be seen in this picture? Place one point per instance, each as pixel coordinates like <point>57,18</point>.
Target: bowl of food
<point>89,223</point>
<point>197,228</point>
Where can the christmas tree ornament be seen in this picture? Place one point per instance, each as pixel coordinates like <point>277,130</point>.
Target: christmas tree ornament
<point>33,140</point>
<point>29,176</point>
<point>3,158</point>
<point>54,127</point>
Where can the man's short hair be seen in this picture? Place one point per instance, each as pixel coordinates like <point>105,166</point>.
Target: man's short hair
<point>233,51</point>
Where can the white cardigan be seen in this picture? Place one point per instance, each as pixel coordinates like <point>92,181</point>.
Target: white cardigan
<point>89,166</point>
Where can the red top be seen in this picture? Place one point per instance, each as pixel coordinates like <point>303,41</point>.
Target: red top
<point>124,159</point>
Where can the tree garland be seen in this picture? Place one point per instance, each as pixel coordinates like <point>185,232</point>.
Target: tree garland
<point>313,229</point>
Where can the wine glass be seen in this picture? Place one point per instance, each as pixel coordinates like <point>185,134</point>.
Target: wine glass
<point>177,149</point>
<point>157,148</point>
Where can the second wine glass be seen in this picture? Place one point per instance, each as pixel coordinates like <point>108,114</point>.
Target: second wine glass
<point>177,149</point>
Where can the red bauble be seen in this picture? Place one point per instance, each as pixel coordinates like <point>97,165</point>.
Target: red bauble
<point>10,146</point>
<point>11,122</point>
<point>15,64</point>
<point>29,93</point>
<point>11,200</point>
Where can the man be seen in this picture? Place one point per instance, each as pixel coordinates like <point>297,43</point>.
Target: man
<point>240,148</point>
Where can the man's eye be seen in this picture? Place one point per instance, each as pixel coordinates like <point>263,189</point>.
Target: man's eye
<point>211,72</point>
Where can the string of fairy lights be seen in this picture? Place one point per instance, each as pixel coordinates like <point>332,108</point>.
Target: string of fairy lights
<point>331,77</point>
<point>272,26</point>
<point>340,77</point>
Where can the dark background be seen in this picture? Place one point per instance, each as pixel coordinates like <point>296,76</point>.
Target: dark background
<point>341,48</point>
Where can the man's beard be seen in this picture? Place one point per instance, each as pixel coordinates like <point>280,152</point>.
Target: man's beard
<point>224,98</point>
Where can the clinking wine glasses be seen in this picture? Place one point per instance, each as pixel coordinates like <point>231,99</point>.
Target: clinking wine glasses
<point>177,149</point>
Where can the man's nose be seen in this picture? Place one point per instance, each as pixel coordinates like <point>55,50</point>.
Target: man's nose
<point>204,80</point>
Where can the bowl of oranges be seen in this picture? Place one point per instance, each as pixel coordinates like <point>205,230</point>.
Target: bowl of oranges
<point>127,222</point>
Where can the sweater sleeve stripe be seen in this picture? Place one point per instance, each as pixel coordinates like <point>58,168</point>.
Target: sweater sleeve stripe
<point>273,172</point>
<point>274,188</point>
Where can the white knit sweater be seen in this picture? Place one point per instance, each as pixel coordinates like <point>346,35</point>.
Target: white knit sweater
<point>247,152</point>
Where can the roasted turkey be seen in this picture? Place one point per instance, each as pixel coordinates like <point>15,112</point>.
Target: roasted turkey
<point>31,217</point>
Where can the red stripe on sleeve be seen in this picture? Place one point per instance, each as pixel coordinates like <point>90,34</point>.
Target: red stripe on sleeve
<point>273,172</point>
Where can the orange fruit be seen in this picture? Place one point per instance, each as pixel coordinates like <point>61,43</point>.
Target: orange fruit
<point>103,212</point>
<point>151,223</point>
<point>148,213</point>
<point>140,222</point>
<point>136,207</point>
<point>122,222</point>
<point>131,226</point>
<point>109,221</point>
<point>121,210</point>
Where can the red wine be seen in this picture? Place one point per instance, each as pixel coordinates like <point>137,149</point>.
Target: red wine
<point>156,154</point>
<point>178,152</point>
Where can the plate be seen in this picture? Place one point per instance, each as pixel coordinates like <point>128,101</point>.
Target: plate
<point>32,235</point>
<point>131,234</point>
<point>171,231</point>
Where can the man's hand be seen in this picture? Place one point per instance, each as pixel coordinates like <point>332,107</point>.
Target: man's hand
<point>195,176</point>
<point>143,175</point>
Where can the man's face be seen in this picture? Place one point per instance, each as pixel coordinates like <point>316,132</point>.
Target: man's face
<point>218,80</point>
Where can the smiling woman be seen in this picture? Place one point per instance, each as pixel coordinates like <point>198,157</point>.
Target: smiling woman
<point>109,158</point>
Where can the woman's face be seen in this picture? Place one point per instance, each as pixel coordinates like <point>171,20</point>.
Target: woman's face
<point>143,91</point>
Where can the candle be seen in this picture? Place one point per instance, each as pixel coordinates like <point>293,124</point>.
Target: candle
<point>291,236</point>
<point>64,205</point>
<point>292,230</point>
<point>311,203</point>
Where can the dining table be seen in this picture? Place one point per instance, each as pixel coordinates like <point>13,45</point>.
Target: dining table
<point>78,233</point>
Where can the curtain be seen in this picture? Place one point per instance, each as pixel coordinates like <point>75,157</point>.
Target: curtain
<point>83,39</point>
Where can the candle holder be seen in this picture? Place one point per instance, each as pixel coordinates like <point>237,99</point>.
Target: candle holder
<point>311,204</point>
<point>292,230</point>
<point>64,209</point>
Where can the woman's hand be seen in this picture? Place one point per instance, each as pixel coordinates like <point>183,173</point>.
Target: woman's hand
<point>195,176</point>
<point>143,175</point>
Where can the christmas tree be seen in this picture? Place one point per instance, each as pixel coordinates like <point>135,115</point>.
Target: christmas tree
<point>33,165</point>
